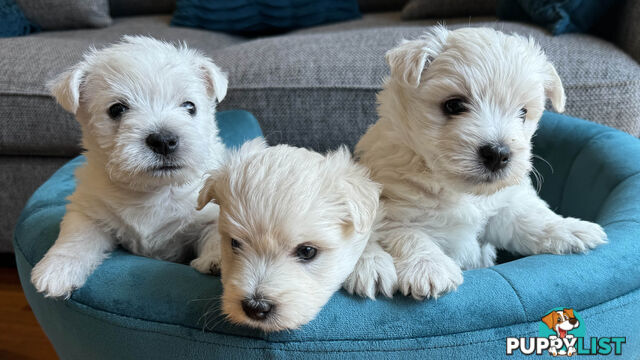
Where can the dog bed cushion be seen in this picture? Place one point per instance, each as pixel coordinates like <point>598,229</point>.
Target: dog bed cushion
<point>133,307</point>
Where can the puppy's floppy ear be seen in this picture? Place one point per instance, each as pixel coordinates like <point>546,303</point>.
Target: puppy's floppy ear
<point>208,192</point>
<point>550,319</point>
<point>66,87</point>
<point>216,79</point>
<point>409,59</point>
<point>553,88</point>
<point>361,195</point>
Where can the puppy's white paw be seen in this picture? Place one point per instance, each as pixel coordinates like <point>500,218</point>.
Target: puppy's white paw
<point>573,235</point>
<point>425,277</point>
<point>207,264</point>
<point>374,273</point>
<point>58,275</point>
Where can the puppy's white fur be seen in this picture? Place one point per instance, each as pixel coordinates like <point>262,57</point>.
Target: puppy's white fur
<point>444,210</point>
<point>274,200</point>
<point>122,197</point>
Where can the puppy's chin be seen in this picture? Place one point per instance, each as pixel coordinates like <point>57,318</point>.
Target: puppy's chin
<point>154,177</point>
<point>482,184</point>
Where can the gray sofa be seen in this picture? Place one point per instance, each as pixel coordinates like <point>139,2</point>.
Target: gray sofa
<point>313,87</point>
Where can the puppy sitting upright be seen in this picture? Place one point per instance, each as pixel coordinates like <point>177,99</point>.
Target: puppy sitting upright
<point>452,150</point>
<point>293,223</point>
<point>147,112</point>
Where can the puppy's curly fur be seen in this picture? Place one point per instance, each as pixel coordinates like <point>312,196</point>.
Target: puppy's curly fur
<point>127,193</point>
<point>276,204</point>
<point>451,94</point>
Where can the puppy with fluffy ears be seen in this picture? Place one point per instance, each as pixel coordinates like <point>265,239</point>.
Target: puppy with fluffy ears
<point>452,149</point>
<point>147,113</point>
<point>292,223</point>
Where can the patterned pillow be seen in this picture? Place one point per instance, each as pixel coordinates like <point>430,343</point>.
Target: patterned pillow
<point>12,20</point>
<point>253,16</point>
<point>425,9</point>
<point>558,16</point>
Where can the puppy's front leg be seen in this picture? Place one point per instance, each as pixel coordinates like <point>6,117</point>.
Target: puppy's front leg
<point>81,246</point>
<point>526,225</point>
<point>424,270</point>
<point>209,254</point>
<point>374,273</point>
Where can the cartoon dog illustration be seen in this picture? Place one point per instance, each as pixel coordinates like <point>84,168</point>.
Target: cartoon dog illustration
<point>561,321</point>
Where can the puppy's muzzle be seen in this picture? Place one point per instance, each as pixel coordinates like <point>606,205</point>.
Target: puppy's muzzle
<point>257,308</point>
<point>163,142</point>
<point>495,157</point>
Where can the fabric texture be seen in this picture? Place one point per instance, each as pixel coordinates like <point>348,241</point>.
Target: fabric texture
<point>12,20</point>
<point>126,310</point>
<point>21,176</point>
<point>420,9</point>
<point>558,16</point>
<point>313,87</point>
<point>259,16</point>
<point>66,14</point>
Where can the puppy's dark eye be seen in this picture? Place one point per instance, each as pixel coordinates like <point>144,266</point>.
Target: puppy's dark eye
<point>306,252</point>
<point>235,244</point>
<point>454,106</point>
<point>523,113</point>
<point>116,110</point>
<point>191,107</point>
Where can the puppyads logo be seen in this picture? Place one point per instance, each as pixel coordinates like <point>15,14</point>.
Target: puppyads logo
<point>563,333</point>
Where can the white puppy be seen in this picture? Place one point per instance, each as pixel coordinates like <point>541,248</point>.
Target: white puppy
<point>293,223</point>
<point>452,149</point>
<point>147,112</point>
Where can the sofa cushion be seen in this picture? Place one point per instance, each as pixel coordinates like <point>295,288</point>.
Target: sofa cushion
<point>133,307</point>
<point>66,14</point>
<point>313,87</point>
<point>318,89</point>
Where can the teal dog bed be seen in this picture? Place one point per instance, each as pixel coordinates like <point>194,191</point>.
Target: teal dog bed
<point>138,308</point>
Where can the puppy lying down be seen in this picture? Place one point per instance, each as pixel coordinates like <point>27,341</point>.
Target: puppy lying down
<point>292,225</point>
<point>452,150</point>
<point>147,113</point>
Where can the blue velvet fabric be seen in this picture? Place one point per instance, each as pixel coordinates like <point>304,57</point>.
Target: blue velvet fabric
<point>259,16</point>
<point>13,21</point>
<point>133,307</point>
<point>558,16</point>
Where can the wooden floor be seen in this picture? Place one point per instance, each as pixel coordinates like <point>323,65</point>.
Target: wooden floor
<point>21,337</point>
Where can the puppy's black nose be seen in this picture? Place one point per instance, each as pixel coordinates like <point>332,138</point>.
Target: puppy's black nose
<point>162,142</point>
<point>573,321</point>
<point>257,309</point>
<point>495,157</point>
